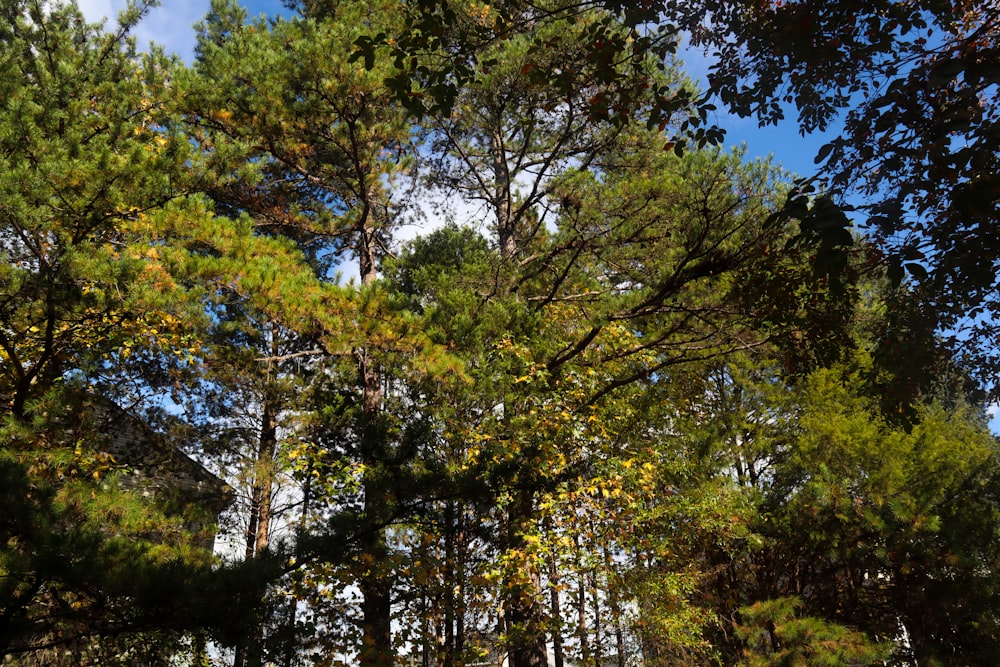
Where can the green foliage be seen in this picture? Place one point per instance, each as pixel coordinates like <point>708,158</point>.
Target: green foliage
<point>775,635</point>
<point>82,560</point>
<point>914,82</point>
<point>107,257</point>
<point>622,410</point>
<point>85,167</point>
<point>850,507</point>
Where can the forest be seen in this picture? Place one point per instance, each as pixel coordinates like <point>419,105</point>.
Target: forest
<point>495,353</point>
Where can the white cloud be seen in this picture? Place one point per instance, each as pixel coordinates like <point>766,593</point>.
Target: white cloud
<point>97,11</point>
<point>169,25</point>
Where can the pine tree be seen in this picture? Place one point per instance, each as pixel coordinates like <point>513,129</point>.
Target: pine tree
<point>308,146</point>
<point>92,312</point>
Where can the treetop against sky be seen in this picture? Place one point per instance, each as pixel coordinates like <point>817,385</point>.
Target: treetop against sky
<point>171,26</point>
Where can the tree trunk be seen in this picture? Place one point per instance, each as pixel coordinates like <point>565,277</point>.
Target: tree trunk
<point>293,604</point>
<point>555,608</point>
<point>460,551</point>
<point>376,607</point>
<point>526,623</point>
<point>376,583</point>
<point>614,605</point>
<point>264,487</point>
<point>595,594</point>
<point>502,200</point>
<point>449,580</point>
<point>248,653</point>
<point>581,606</point>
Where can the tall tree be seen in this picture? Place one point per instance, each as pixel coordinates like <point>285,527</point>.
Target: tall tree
<point>915,84</point>
<point>311,147</point>
<point>86,172</point>
<point>512,145</point>
<point>95,306</point>
<point>631,284</point>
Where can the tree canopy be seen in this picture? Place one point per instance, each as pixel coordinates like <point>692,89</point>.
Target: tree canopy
<point>914,85</point>
<point>500,355</point>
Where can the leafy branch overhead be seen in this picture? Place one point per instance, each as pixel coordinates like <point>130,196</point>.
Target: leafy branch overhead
<point>914,84</point>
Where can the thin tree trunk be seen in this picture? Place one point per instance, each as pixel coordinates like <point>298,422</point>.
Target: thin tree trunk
<point>502,204</point>
<point>581,606</point>
<point>376,584</point>
<point>614,605</point>
<point>556,608</point>
<point>460,606</point>
<point>525,616</point>
<point>265,474</point>
<point>454,586</point>
<point>293,604</point>
<point>425,633</point>
<point>248,653</point>
<point>595,594</point>
<point>449,579</point>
